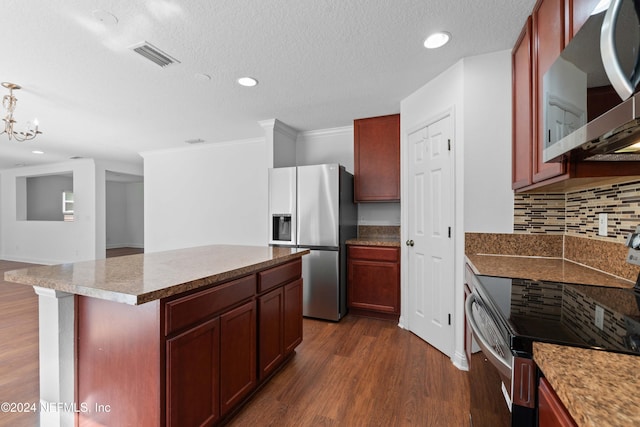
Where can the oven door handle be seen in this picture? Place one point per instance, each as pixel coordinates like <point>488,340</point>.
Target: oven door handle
<point>503,365</point>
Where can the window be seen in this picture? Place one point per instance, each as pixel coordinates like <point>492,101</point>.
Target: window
<point>67,205</point>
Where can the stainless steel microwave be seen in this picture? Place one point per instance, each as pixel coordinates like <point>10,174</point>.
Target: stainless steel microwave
<point>591,104</point>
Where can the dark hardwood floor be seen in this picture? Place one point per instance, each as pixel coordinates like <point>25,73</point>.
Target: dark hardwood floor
<point>123,251</point>
<point>19,368</point>
<point>361,372</point>
<point>358,372</point>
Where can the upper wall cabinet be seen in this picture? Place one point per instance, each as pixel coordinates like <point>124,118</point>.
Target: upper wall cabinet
<point>548,35</point>
<point>376,152</point>
<point>522,113</point>
<point>552,24</point>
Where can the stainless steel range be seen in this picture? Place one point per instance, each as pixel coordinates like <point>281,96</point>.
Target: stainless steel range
<point>506,315</point>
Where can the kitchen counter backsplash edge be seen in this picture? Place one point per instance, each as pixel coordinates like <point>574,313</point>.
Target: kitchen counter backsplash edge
<point>608,257</point>
<point>377,235</point>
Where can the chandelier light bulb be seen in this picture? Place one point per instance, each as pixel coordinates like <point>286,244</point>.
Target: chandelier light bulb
<point>9,103</point>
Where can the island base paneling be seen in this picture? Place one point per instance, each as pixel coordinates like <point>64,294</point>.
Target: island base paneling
<point>142,365</point>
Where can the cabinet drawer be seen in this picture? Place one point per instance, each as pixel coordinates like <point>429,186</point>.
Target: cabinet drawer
<point>192,308</point>
<point>279,275</point>
<point>375,253</point>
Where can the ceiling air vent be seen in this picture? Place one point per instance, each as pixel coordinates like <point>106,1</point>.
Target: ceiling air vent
<point>154,54</point>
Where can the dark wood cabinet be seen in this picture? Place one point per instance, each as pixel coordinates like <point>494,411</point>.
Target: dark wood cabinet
<point>280,320</point>
<point>548,25</point>
<point>190,359</point>
<point>373,284</point>
<point>551,411</point>
<point>193,375</point>
<point>271,309</point>
<point>376,152</point>
<point>578,11</point>
<point>292,316</point>
<point>237,355</point>
<point>552,24</point>
<point>522,127</point>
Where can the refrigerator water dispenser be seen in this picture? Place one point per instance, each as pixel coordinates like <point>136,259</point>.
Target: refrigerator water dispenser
<point>281,227</point>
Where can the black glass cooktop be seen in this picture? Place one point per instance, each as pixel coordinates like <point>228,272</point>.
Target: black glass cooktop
<point>563,313</point>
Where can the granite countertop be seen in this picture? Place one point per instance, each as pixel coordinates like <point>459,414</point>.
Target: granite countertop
<point>136,279</point>
<point>375,241</point>
<point>542,268</point>
<point>598,388</point>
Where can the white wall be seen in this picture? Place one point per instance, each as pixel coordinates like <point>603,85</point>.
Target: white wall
<point>488,197</point>
<point>326,146</point>
<point>335,145</point>
<point>443,94</point>
<point>104,169</point>
<point>51,242</point>
<point>134,195</point>
<point>116,215</point>
<point>208,194</point>
<point>44,197</point>
<point>125,214</point>
<point>478,91</point>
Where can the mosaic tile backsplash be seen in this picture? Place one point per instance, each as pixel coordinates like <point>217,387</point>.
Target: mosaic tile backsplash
<point>576,213</point>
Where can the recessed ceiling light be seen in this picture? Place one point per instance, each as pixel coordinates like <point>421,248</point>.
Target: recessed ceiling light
<point>247,81</point>
<point>437,40</point>
<point>37,152</point>
<point>105,17</point>
<point>202,77</point>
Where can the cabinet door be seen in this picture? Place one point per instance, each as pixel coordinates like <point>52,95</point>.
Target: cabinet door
<point>522,118</point>
<point>377,159</point>
<point>580,10</point>
<point>292,316</point>
<point>192,386</point>
<point>237,355</point>
<point>548,31</point>
<point>372,284</point>
<point>271,340</point>
<point>551,411</point>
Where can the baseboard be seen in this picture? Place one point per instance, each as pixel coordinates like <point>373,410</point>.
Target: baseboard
<point>460,361</point>
<point>32,260</point>
<point>125,245</point>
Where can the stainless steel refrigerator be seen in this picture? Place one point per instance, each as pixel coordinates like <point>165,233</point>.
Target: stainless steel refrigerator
<point>312,207</point>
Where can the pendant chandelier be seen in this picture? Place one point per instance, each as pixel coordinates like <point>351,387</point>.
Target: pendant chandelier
<point>9,103</point>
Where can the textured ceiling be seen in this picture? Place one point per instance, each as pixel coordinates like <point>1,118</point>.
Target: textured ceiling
<point>320,64</point>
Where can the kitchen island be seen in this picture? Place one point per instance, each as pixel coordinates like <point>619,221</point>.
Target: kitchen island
<point>180,337</point>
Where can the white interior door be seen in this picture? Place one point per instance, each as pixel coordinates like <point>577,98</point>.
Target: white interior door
<point>430,234</point>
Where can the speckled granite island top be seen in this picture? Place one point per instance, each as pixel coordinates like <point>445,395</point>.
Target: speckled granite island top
<point>542,268</point>
<point>598,388</point>
<point>136,279</point>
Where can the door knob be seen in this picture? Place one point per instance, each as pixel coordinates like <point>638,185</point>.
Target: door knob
<point>409,242</point>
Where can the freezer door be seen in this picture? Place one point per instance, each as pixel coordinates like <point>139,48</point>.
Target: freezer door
<point>321,285</point>
<point>318,205</point>
<point>282,206</point>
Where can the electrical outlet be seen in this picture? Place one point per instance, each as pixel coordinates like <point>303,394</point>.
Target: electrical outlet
<point>602,224</point>
<point>599,320</point>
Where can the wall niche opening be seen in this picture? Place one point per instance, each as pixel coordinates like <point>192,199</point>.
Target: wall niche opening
<point>45,197</point>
